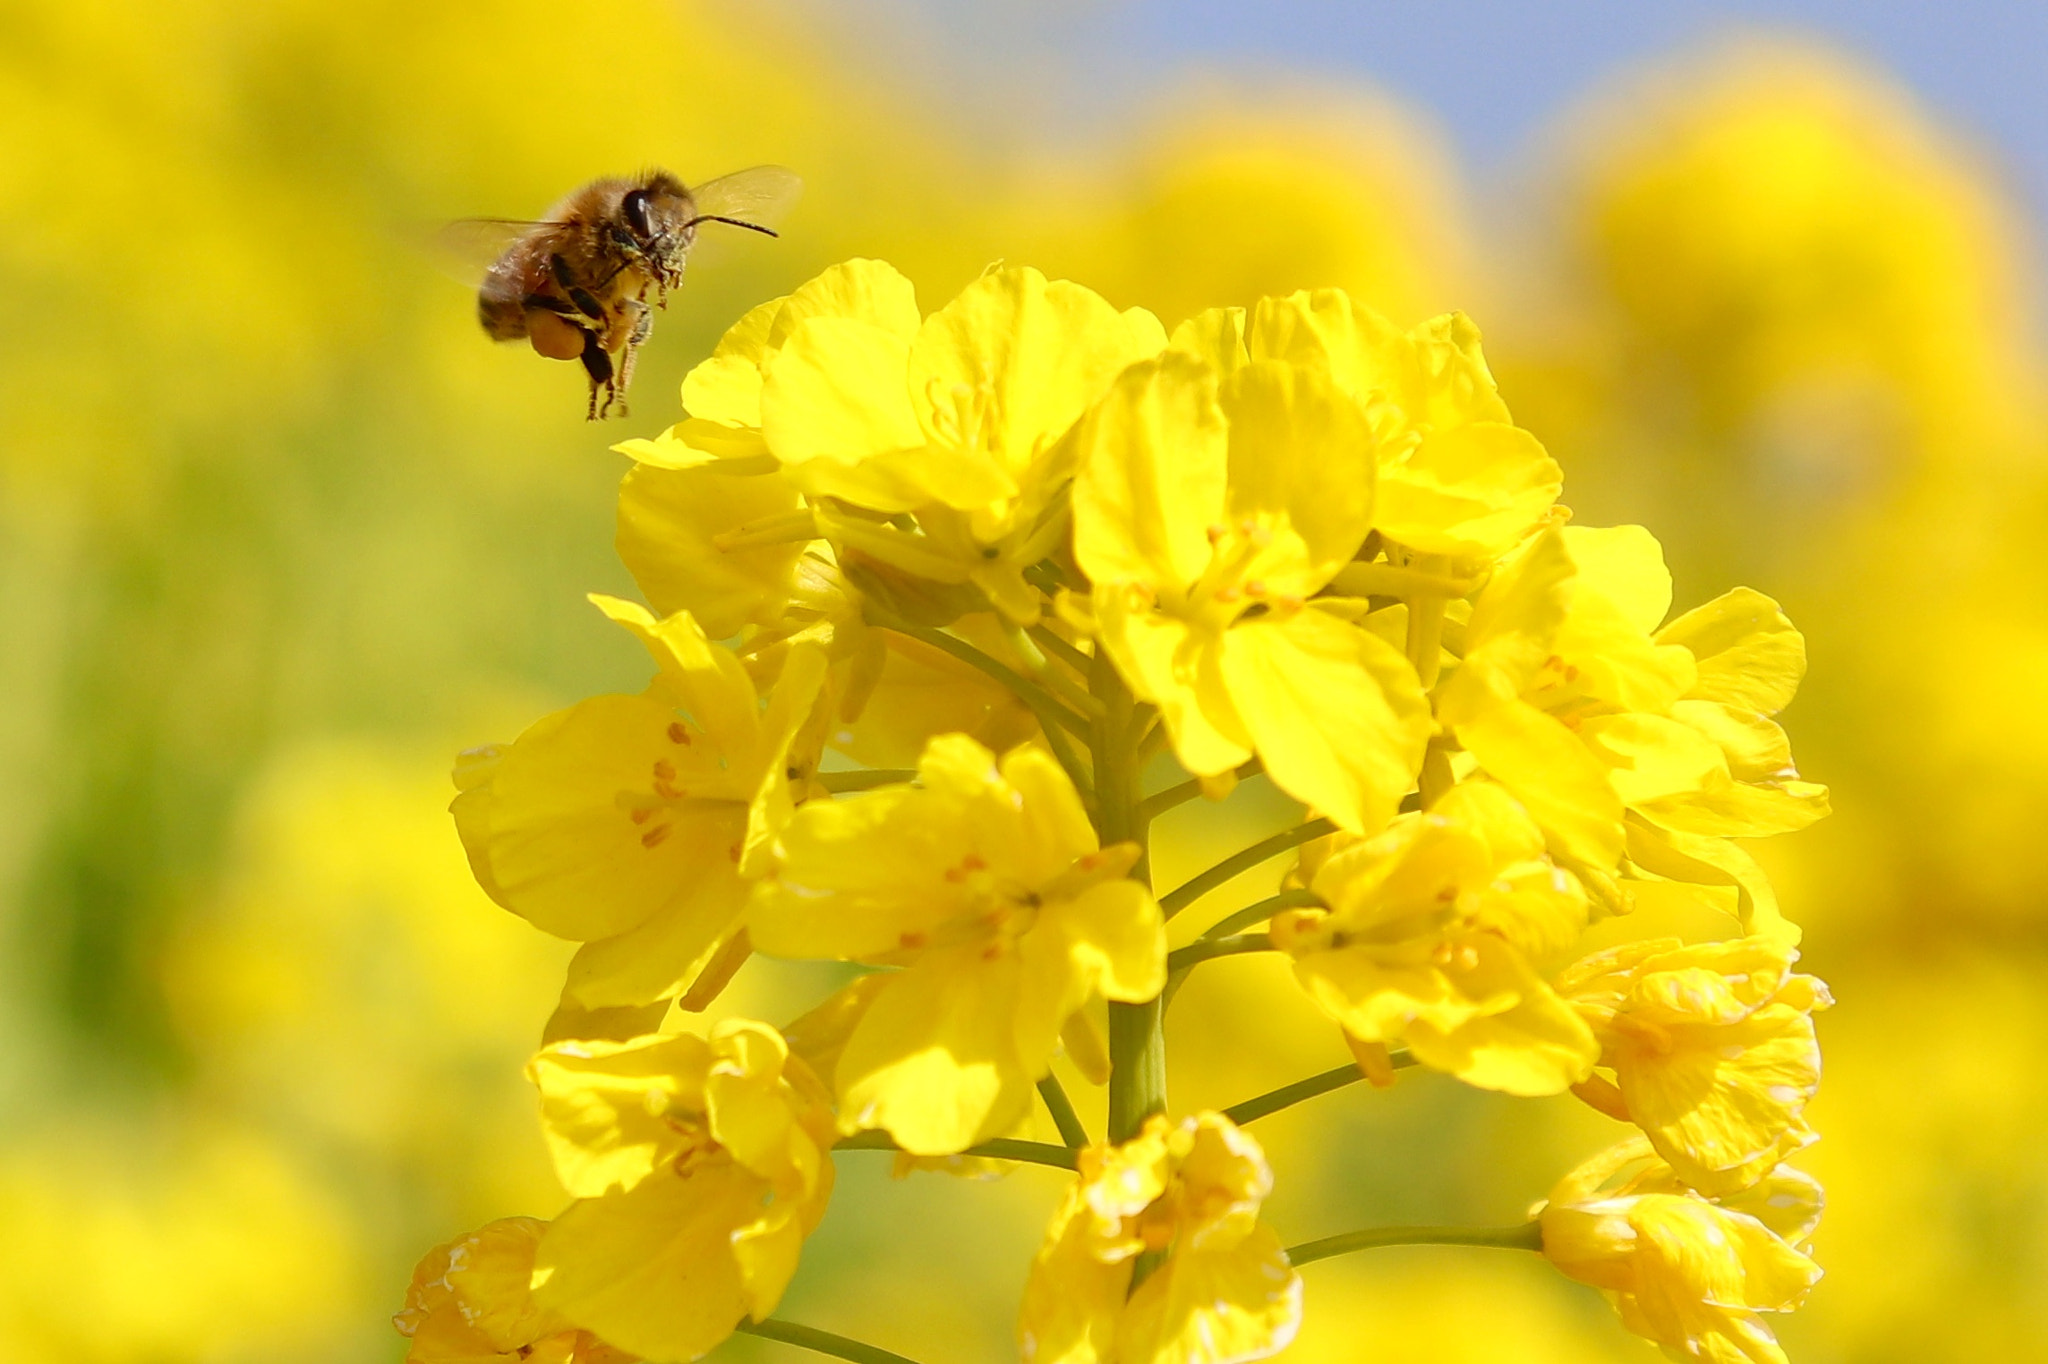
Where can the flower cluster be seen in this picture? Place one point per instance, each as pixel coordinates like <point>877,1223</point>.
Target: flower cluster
<point>936,602</point>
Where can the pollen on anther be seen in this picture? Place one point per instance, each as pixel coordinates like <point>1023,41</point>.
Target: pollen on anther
<point>654,835</point>
<point>641,816</point>
<point>676,733</point>
<point>665,770</point>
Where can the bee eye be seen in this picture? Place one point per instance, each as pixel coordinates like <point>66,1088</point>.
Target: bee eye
<point>635,209</point>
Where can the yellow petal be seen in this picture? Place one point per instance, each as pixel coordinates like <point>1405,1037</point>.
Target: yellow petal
<point>664,956</point>
<point>1014,359</point>
<point>1546,767</point>
<point>667,522</point>
<point>1215,335</point>
<point>1301,449</point>
<point>564,852</point>
<point>1166,662</point>
<point>1625,565</point>
<point>1149,481</point>
<point>837,391</point>
<point>652,1269</point>
<point>1211,1307</point>
<point>603,1106</point>
<point>1474,491</point>
<point>1651,757</point>
<point>1749,655</point>
<point>1337,714</point>
<point>933,1061</point>
<point>1540,1046</point>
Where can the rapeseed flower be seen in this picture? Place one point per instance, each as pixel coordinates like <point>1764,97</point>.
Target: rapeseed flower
<point>1184,1197</point>
<point>698,1165</point>
<point>1712,1050</point>
<point>1208,511</point>
<point>470,1303</point>
<point>1691,1273</point>
<point>1432,936</point>
<point>624,822</point>
<point>1032,544</point>
<point>986,884</point>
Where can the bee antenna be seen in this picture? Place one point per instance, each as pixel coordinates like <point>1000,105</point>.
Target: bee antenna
<point>733,222</point>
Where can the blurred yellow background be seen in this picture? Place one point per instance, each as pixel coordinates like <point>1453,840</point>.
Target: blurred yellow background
<point>279,531</point>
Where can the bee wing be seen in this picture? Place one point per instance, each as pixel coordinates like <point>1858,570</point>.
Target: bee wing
<point>467,248</point>
<point>762,195</point>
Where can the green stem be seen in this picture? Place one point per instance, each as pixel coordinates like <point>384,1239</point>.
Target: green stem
<point>1160,802</point>
<point>1179,898</point>
<point>1137,1034</point>
<point>1263,910</point>
<point>866,779</point>
<point>1000,1148</point>
<point>1272,1101</point>
<point>821,1342</point>
<point>1062,1109</point>
<point>1426,630</point>
<point>1527,1236</point>
<point>1182,958</point>
<point>1042,702</point>
<point>1050,641</point>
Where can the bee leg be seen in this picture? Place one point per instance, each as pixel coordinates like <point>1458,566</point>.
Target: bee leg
<point>597,363</point>
<point>585,301</point>
<point>642,326</point>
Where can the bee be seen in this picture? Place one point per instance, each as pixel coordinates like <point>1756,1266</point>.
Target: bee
<point>576,283</point>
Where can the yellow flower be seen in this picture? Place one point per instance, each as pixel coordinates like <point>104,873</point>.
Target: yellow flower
<point>1712,1049</point>
<point>723,395</point>
<point>1456,476</point>
<point>1624,741</point>
<point>988,886</point>
<point>698,1165</point>
<point>1189,1194</point>
<point>681,534</point>
<point>1690,1273</point>
<point>959,419</point>
<point>624,822</point>
<point>1429,936</point>
<point>470,1303</point>
<point>1207,511</point>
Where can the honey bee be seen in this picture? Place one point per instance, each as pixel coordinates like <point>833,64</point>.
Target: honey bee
<point>575,283</point>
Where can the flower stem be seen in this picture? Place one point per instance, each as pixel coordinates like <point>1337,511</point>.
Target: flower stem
<point>1263,910</point>
<point>1042,703</point>
<point>1160,802</point>
<point>1050,641</point>
<point>999,1148</point>
<point>1179,898</point>
<point>1527,1236</point>
<point>1273,1100</point>
<point>1137,1033</point>
<point>1062,1109</point>
<point>821,1342</point>
<point>1182,958</point>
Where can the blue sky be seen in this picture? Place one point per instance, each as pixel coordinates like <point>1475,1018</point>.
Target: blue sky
<point>1492,74</point>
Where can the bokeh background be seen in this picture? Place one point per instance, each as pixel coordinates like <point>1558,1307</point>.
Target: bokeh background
<point>279,531</point>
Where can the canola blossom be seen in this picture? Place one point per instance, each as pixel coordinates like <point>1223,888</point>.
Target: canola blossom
<point>944,611</point>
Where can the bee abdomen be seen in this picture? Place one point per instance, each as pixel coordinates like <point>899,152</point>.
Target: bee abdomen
<point>503,319</point>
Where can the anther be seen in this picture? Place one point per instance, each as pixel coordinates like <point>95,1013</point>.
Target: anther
<point>665,770</point>
<point>676,733</point>
<point>654,835</point>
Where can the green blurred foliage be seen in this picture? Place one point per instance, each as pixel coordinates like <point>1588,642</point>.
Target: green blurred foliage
<point>279,531</point>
